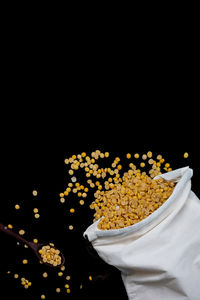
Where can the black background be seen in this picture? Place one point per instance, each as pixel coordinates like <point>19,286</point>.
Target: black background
<point>33,158</point>
<point>61,98</point>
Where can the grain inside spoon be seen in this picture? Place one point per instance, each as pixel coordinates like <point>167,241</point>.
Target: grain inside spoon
<point>46,253</point>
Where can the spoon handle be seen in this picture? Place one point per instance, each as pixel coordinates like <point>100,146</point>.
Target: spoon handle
<point>8,231</point>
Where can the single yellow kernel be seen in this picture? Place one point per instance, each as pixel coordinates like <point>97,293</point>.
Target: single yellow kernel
<point>90,277</point>
<point>37,216</point>
<point>128,155</point>
<point>106,154</point>
<point>58,290</point>
<point>72,210</point>
<point>68,291</point>
<point>144,156</point>
<point>8,272</point>
<point>136,155</point>
<point>21,232</point>
<point>71,172</point>
<point>86,190</point>
<point>81,202</point>
<point>45,275</point>
<point>24,261</point>
<point>60,274</point>
<point>159,157</point>
<point>68,277</point>
<point>167,165</point>
<point>34,193</point>
<point>142,164</point>
<point>17,206</point>
<point>83,154</point>
<point>10,226</point>
<point>29,283</point>
<point>66,161</point>
<point>16,276</point>
<point>66,286</point>
<point>119,167</point>
<point>185,155</point>
<point>149,154</point>
<point>62,268</point>
<point>42,297</point>
<point>79,194</point>
<point>35,210</point>
<point>35,241</point>
<point>62,200</point>
<point>61,195</point>
<point>71,227</point>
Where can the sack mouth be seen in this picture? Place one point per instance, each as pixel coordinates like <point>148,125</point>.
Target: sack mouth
<point>180,176</point>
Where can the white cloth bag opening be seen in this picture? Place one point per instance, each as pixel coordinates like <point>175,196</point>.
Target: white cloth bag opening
<point>159,257</point>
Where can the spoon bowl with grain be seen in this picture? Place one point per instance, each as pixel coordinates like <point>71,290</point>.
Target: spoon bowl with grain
<point>48,254</point>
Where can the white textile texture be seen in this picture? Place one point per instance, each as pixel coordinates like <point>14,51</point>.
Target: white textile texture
<point>159,257</point>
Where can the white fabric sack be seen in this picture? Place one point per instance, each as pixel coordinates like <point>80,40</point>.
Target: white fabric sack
<point>159,257</point>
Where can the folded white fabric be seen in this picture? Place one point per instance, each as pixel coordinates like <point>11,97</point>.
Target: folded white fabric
<point>159,257</point>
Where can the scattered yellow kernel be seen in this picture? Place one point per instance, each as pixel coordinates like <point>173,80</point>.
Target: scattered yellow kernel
<point>66,286</point>
<point>149,154</point>
<point>17,206</point>
<point>60,274</point>
<point>142,164</point>
<point>35,241</point>
<point>74,156</point>
<point>71,172</point>
<point>24,261</point>
<point>185,155</point>
<point>68,277</point>
<point>136,155</point>
<point>90,277</point>
<point>68,291</point>
<point>16,276</point>
<point>34,193</point>
<point>57,290</point>
<point>35,210</point>
<point>21,232</point>
<point>81,202</point>
<point>61,195</point>
<point>83,154</point>
<point>42,297</point>
<point>71,227</point>
<point>128,155</point>
<point>106,154</point>
<point>10,226</point>
<point>72,210</point>
<point>119,167</point>
<point>45,275</point>
<point>37,216</point>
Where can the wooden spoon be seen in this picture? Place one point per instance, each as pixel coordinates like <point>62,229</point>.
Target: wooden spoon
<point>34,246</point>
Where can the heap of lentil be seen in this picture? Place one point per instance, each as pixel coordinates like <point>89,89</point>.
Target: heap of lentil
<point>121,201</point>
<point>130,199</point>
<point>50,255</point>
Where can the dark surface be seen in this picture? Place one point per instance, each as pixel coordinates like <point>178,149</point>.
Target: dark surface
<point>33,158</point>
